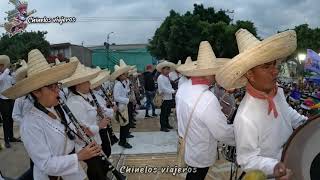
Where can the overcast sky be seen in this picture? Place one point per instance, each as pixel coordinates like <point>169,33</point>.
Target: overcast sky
<point>269,16</point>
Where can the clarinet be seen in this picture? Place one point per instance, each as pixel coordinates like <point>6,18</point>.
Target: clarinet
<point>111,104</point>
<point>113,139</point>
<point>87,139</point>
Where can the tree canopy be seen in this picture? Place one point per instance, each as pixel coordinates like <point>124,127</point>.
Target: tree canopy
<point>179,36</point>
<point>18,46</point>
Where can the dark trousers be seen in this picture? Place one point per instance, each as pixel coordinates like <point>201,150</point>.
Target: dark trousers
<point>96,169</point>
<point>150,96</point>
<point>124,132</point>
<point>199,174</point>
<point>130,112</point>
<point>106,148</point>
<point>6,107</point>
<point>165,113</point>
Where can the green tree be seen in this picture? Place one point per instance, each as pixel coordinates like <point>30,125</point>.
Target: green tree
<point>18,46</point>
<point>179,36</point>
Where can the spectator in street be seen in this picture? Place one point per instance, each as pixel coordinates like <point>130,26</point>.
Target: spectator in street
<point>150,89</point>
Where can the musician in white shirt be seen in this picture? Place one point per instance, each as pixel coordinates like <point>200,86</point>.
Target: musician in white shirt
<point>6,105</point>
<point>166,91</point>
<point>264,120</point>
<point>45,132</point>
<point>200,120</point>
<point>120,96</point>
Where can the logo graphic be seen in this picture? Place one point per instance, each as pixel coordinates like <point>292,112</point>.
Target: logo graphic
<point>17,18</point>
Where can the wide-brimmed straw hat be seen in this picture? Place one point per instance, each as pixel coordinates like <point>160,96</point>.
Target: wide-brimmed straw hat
<point>22,71</point>
<point>39,74</point>
<point>5,60</point>
<point>119,70</point>
<point>206,64</point>
<point>81,75</point>
<point>165,63</point>
<point>102,77</point>
<point>254,52</point>
<point>188,64</point>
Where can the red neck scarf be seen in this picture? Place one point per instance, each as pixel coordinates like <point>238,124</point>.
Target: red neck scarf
<point>262,95</point>
<point>200,80</point>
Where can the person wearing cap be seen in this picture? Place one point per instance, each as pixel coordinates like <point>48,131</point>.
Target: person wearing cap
<point>150,90</point>
<point>120,96</point>
<point>46,134</point>
<point>132,98</point>
<point>166,91</point>
<point>6,105</point>
<point>82,107</point>
<point>264,120</point>
<point>201,123</point>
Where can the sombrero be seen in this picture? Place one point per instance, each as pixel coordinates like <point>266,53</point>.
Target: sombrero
<point>188,64</point>
<point>58,62</point>
<point>5,60</point>
<point>119,70</point>
<point>254,52</point>
<point>81,75</point>
<point>39,74</point>
<point>206,64</point>
<point>102,77</point>
<point>165,63</point>
<point>21,72</point>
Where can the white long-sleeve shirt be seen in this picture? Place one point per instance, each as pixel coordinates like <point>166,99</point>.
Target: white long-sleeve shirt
<point>165,87</point>
<point>45,140</point>
<point>6,82</point>
<point>260,137</point>
<point>208,124</point>
<point>85,114</point>
<point>120,94</point>
<point>22,106</point>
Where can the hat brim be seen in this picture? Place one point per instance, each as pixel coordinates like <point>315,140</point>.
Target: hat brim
<point>99,80</point>
<point>276,47</point>
<point>41,79</point>
<point>119,72</point>
<point>74,80</point>
<point>211,69</point>
<point>160,66</point>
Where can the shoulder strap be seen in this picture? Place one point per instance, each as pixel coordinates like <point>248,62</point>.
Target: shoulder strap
<point>194,107</point>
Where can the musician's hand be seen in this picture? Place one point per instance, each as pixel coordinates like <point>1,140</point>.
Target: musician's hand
<point>281,172</point>
<point>91,150</point>
<point>104,123</point>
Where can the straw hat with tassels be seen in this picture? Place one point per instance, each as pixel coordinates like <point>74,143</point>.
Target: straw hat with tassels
<point>39,74</point>
<point>165,63</point>
<point>5,60</point>
<point>206,64</point>
<point>81,75</point>
<point>100,79</point>
<point>119,70</point>
<point>254,52</point>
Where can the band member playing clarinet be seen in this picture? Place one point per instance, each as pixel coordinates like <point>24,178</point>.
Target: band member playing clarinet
<point>82,107</point>
<point>264,120</point>
<point>45,133</point>
<point>201,122</point>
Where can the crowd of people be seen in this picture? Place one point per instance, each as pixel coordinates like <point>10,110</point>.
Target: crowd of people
<point>65,110</point>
